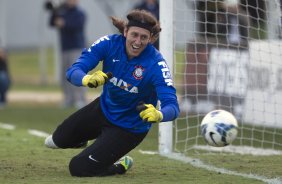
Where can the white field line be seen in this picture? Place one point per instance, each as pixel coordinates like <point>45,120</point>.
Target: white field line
<point>42,97</point>
<point>7,126</point>
<point>243,150</point>
<point>31,96</point>
<point>148,152</point>
<point>37,133</point>
<point>199,164</point>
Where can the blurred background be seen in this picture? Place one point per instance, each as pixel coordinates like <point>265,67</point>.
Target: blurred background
<point>24,24</point>
<point>33,49</point>
<point>32,46</point>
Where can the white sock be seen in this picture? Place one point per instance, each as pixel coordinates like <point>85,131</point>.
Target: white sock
<point>49,143</point>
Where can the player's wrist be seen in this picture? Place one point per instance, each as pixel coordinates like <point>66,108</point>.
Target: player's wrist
<point>160,116</point>
<point>85,80</point>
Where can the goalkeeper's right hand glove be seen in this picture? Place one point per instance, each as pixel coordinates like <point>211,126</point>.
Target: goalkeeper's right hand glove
<point>94,80</point>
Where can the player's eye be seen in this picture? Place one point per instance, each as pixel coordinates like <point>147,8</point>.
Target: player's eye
<point>134,35</point>
<point>144,37</point>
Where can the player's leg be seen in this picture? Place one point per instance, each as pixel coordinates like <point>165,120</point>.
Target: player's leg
<point>100,158</point>
<point>4,85</point>
<point>79,93</point>
<point>2,99</point>
<point>78,128</point>
<point>67,88</point>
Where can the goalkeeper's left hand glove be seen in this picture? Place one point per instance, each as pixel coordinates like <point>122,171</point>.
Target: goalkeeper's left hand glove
<point>151,114</point>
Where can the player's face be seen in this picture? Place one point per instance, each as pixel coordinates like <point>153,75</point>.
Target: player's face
<point>136,40</point>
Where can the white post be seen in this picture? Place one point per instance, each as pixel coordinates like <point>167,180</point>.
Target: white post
<point>3,23</point>
<point>273,19</point>
<point>42,50</point>
<point>166,48</point>
<point>57,58</point>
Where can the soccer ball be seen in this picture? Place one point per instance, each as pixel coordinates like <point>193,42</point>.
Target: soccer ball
<point>219,128</point>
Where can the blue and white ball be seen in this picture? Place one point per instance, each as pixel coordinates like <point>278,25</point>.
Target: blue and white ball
<point>219,128</point>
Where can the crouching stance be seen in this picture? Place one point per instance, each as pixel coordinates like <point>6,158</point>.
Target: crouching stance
<point>134,77</point>
<point>106,155</point>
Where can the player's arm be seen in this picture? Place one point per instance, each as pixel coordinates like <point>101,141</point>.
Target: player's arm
<point>168,101</point>
<point>169,108</point>
<point>166,94</point>
<point>87,61</point>
<point>79,78</point>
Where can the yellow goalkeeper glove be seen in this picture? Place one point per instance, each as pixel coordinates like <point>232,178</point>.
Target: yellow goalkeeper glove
<point>150,114</point>
<point>94,80</point>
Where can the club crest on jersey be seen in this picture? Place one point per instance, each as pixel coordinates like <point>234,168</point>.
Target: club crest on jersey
<point>138,72</point>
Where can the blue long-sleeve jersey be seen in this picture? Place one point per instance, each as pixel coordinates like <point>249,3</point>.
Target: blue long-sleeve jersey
<point>145,78</point>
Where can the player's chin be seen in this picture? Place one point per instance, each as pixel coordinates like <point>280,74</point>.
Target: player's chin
<point>135,53</point>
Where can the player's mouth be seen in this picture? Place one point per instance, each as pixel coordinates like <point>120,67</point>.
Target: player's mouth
<point>136,50</point>
<point>134,47</point>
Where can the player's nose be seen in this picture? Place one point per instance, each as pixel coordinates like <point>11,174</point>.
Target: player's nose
<point>138,40</point>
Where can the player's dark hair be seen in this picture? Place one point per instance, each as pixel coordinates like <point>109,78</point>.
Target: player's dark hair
<point>139,18</point>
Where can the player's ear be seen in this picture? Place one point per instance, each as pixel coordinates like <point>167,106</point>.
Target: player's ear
<point>125,32</point>
<point>153,38</point>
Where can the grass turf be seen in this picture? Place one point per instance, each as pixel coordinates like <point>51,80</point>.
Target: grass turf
<point>24,159</point>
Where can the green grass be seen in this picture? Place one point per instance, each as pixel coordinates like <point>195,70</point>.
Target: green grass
<point>24,159</point>
<point>25,70</point>
<point>269,166</point>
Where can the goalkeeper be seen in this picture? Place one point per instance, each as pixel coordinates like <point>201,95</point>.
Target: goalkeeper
<point>134,77</point>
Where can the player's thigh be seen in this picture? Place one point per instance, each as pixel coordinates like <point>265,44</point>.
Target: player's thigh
<point>85,124</point>
<point>111,145</point>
